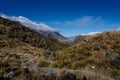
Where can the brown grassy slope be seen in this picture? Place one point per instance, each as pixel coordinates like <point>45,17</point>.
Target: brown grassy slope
<point>10,46</point>
<point>10,61</point>
<point>79,38</point>
<point>15,30</point>
<point>102,50</point>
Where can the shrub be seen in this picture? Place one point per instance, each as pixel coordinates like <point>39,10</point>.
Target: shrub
<point>79,64</point>
<point>115,73</point>
<point>62,64</point>
<point>92,61</point>
<point>43,63</point>
<point>2,71</point>
<point>66,76</point>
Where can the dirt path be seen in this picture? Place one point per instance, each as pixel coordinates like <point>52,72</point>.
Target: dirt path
<point>55,70</point>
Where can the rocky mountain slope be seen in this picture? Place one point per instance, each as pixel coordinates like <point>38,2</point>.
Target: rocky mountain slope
<point>53,34</point>
<point>15,30</point>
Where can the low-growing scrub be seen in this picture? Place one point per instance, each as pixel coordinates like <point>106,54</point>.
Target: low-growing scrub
<point>78,64</point>
<point>43,63</point>
<point>115,73</point>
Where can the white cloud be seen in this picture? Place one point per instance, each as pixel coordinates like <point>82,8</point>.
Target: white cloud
<point>29,23</point>
<point>91,33</point>
<point>86,21</point>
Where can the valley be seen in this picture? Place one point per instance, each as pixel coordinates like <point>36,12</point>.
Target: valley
<point>26,54</point>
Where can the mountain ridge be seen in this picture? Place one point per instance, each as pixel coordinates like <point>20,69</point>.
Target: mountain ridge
<point>14,29</point>
<point>40,27</point>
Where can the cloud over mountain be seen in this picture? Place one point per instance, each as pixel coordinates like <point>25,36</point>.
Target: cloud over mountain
<point>29,23</point>
<point>92,33</point>
<point>86,21</point>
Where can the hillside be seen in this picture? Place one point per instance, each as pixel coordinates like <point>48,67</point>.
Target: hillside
<point>15,30</point>
<point>11,51</point>
<point>101,51</point>
<point>52,34</point>
<point>18,61</point>
<point>21,47</point>
<point>42,28</point>
<point>11,46</point>
<point>79,38</point>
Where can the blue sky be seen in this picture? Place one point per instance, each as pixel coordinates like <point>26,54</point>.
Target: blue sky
<point>70,17</point>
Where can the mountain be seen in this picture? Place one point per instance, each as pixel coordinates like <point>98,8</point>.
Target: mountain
<point>40,27</point>
<point>53,34</point>
<point>79,38</point>
<point>96,47</point>
<point>14,29</point>
<point>23,50</point>
<point>100,53</point>
<point>72,38</point>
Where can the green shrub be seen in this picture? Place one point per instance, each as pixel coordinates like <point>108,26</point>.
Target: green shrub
<point>43,63</point>
<point>79,64</point>
<point>91,61</point>
<point>63,64</point>
<point>2,71</point>
<point>115,73</point>
<point>53,65</point>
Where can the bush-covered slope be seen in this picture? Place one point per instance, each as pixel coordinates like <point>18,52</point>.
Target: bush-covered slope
<point>16,58</point>
<point>79,38</point>
<point>15,30</point>
<point>100,47</point>
<point>101,51</point>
